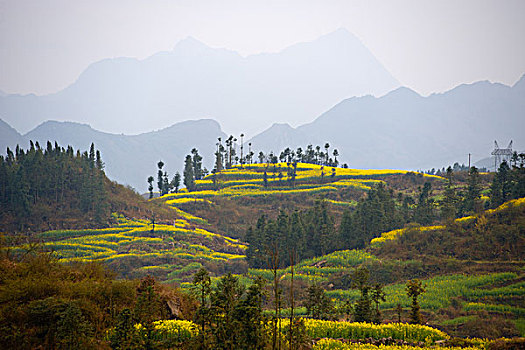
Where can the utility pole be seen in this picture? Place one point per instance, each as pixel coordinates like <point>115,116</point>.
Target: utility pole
<point>469,162</point>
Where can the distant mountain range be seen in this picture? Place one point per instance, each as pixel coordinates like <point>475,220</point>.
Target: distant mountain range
<point>400,130</point>
<point>405,130</point>
<point>194,81</point>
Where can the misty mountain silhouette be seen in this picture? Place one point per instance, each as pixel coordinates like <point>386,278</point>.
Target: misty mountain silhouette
<point>195,81</point>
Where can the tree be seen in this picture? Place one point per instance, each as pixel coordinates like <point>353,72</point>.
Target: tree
<point>378,295</point>
<point>219,161</point>
<point>122,337</point>
<point>500,189</point>
<point>449,202</point>
<point>148,308</point>
<point>473,195</point>
<point>175,183</point>
<point>189,178</point>
<point>150,187</point>
<point>336,154</point>
<point>317,303</point>
<point>91,154</point>
<point>261,157</point>
<point>363,307</point>
<point>225,301</point>
<point>197,164</point>
<point>99,163</point>
<point>424,210</point>
<point>414,288</point>
<point>326,147</point>
<point>201,287</point>
<point>399,311</point>
<point>160,177</point>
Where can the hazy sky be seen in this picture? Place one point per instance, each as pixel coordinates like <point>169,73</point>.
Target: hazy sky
<point>429,46</point>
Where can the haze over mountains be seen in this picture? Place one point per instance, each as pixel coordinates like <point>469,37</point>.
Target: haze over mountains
<point>201,91</point>
<point>400,130</point>
<point>129,159</point>
<point>405,130</point>
<point>194,81</point>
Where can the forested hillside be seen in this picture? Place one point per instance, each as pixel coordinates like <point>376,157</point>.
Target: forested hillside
<point>56,187</point>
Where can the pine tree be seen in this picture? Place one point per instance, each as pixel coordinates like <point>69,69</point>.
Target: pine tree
<point>201,287</point>
<point>318,304</point>
<point>424,211</point>
<point>150,187</point>
<point>197,164</point>
<point>175,183</point>
<point>160,177</point>
<point>363,306</point>
<point>449,202</point>
<point>189,177</point>
<point>473,195</point>
<point>500,189</point>
<point>377,296</point>
<point>414,288</point>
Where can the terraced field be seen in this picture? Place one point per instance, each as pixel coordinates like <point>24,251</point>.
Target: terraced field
<point>171,252</point>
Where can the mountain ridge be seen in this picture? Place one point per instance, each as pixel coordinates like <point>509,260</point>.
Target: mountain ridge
<point>400,130</point>
<point>196,81</point>
<point>129,159</point>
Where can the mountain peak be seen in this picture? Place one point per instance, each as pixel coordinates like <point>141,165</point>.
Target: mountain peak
<point>402,91</point>
<point>190,43</point>
<point>338,37</point>
<point>281,126</point>
<point>55,124</point>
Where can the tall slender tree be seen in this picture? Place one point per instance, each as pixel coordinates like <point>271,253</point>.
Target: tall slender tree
<point>189,177</point>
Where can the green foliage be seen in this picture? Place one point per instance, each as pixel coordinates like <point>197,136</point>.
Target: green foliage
<point>450,200</point>
<point>318,304</point>
<point>500,190</point>
<point>230,316</point>
<point>189,175</point>
<point>415,288</point>
<point>374,214</point>
<point>308,233</point>
<point>123,337</point>
<point>471,202</point>
<point>362,309</point>
<point>34,184</point>
<point>57,306</point>
<point>424,213</point>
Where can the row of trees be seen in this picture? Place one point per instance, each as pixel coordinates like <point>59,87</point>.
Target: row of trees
<point>508,182</point>
<point>226,155</point>
<point>231,316</point>
<point>366,307</point>
<point>193,170</point>
<point>45,182</point>
<point>312,155</point>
